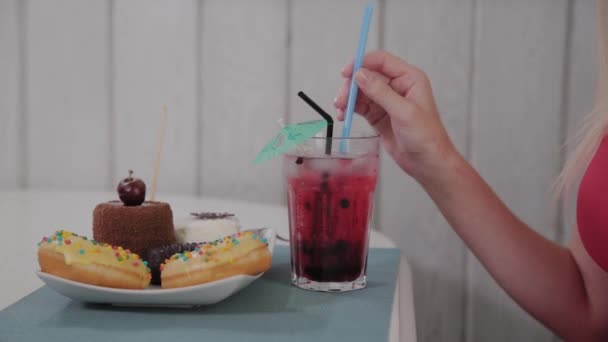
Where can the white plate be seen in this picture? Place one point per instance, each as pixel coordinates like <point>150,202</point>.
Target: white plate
<point>205,294</point>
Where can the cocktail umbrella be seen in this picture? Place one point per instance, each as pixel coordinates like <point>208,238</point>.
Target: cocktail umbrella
<point>289,137</point>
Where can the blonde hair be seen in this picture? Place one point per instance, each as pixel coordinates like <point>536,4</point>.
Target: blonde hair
<point>595,124</point>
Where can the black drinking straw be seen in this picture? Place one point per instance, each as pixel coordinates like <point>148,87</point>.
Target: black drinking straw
<point>327,117</point>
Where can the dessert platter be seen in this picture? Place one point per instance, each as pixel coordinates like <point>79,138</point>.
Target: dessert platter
<point>138,255</point>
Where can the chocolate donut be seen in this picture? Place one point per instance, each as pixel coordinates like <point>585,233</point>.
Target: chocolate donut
<point>157,255</point>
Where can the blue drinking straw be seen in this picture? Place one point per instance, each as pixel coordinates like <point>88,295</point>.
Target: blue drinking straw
<point>352,94</point>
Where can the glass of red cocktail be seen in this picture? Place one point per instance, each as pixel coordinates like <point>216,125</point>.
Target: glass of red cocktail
<point>330,200</point>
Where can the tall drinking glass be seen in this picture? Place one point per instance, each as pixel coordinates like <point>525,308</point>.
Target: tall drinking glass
<point>330,200</point>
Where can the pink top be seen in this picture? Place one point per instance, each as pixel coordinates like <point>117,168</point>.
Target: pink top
<point>592,207</point>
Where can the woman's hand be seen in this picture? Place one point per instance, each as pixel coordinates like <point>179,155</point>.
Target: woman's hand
<point>397,100</point>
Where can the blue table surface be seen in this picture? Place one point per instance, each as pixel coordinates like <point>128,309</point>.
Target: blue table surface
<point>268,310</point>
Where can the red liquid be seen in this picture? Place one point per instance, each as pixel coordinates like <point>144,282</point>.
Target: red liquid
<point>330,205</point>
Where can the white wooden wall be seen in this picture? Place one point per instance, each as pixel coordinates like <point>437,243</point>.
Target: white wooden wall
<point>82,84</point>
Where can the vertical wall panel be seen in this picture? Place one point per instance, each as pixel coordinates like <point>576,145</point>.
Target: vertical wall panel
<point>324,36</point>
<point>155,65</point>
<point>582,63</point>
<point>243,77</point>
<point>516,138</point>
<point>436,36</point>
<point>10,87</point>
<point>67,88</point>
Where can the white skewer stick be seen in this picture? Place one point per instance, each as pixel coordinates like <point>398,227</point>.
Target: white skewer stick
<point>159,148</point>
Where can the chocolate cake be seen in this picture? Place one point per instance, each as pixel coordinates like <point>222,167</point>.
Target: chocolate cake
<point>136,228</point>
<point>132,223</point>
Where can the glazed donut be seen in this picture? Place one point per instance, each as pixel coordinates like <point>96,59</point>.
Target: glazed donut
<point>74,257</point>
<point>241,253</point>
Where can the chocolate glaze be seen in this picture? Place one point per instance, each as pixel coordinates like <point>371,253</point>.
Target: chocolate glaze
<point>156,256</point>
<point>136,228</point>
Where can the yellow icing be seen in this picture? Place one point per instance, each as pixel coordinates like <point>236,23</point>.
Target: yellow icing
<point>79,250</point>
<point>216,253</point>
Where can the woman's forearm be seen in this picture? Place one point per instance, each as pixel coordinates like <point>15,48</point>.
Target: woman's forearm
<point>537,273</point>
<point>545,279</point>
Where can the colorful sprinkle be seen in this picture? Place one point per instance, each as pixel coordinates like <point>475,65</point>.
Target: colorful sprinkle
<point>81,251</point>
<point>67,242</point>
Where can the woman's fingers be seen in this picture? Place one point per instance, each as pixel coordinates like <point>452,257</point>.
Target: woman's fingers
<point>383,95</point>
<point>361,108</point>
<point>417,89</point>
<point>404,78</point>
<point>341,98</point>
<point>374,115</point>
<point>382,62</point>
